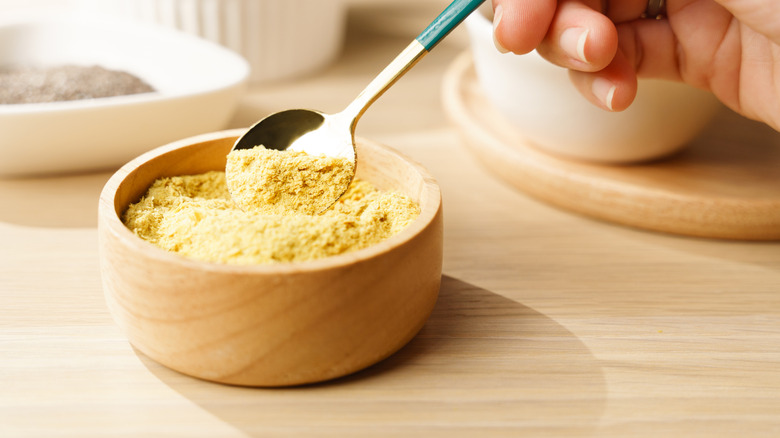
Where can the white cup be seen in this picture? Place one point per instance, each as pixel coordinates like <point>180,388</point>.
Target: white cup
<point>538,99</point>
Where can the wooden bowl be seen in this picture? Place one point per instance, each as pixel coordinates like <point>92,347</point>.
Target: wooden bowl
<point>269,325</point>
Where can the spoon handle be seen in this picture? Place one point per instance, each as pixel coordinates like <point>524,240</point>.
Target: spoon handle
<point>448,20</point>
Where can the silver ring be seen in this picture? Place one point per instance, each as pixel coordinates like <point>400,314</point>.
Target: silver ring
<point>655,9</point>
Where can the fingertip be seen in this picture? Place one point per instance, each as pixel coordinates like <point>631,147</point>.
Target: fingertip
<point>498,13</point>
<point>604,91</point>
<point>519,26</point>
<point>573,42</point>
<point>609,89</point>
<point>580,38</point>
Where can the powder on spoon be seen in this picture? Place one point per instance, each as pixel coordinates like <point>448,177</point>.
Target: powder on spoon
<point>281,182</point>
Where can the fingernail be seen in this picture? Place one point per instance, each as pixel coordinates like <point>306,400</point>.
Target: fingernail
<point>604,90</point>
<point>497,14</point>
<point>573,43</point>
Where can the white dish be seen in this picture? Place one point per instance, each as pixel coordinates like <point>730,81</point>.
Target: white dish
<point>198,85</point>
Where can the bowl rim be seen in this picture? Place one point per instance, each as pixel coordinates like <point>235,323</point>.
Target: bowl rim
<point>110,220</point>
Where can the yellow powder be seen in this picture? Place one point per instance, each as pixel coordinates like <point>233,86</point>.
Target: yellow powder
<point>196,217</point>
<point>282,182</point>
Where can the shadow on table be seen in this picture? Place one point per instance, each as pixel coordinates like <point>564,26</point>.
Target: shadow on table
<point>66,201</point>
<point>482,362</point>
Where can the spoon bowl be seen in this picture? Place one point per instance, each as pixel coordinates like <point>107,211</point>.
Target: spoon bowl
<point>301,130</point>
<point>317,133</point>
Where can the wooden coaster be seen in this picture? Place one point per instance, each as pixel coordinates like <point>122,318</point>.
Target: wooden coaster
<point>726,184</point>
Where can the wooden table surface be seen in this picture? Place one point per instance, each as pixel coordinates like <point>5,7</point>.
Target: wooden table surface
<point>548,323</point>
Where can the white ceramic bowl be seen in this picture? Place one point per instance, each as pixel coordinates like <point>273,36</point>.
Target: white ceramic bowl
<point>198,87</point>
<point>279,38</point>
<point>540,101</point>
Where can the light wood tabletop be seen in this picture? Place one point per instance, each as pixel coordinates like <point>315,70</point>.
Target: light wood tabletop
<point>548,323</point>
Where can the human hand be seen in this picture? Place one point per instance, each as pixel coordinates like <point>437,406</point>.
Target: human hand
<point>728,47</point>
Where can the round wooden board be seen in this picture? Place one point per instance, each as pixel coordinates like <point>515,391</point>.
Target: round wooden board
<point>726,184</point>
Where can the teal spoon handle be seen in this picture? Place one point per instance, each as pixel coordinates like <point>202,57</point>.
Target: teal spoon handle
<point>448,20</point>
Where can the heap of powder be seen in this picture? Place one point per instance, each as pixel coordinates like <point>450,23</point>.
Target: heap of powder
<point>66,82</point>
<point>195,217</point>
<point>280,182</point>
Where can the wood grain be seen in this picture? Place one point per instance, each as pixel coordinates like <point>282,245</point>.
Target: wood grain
<point>718,187</point>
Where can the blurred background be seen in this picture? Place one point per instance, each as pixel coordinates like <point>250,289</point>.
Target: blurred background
<point>303,53</point>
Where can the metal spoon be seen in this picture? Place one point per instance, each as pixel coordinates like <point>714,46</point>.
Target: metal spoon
<point>333,135</point>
